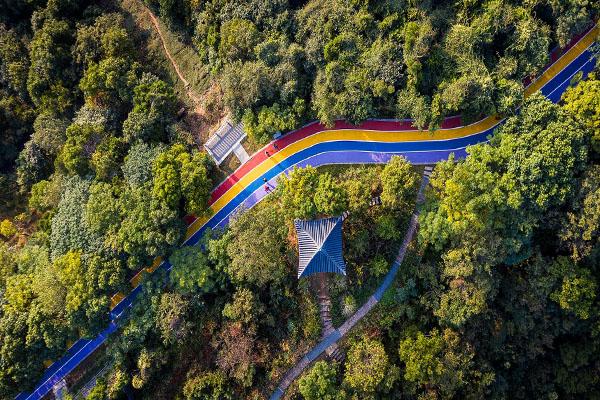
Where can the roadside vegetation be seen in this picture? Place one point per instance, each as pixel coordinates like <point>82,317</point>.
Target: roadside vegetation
<point>497,297</point>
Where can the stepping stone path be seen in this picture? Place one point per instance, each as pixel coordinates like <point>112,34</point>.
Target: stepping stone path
<point>325,313</point>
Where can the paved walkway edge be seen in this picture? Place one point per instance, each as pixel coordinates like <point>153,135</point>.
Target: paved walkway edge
<point>340,332</point>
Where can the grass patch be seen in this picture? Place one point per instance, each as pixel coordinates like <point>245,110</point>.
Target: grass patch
<point>152,51</point>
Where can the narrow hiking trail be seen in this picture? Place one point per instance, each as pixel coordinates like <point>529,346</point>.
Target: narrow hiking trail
<point>329,343</point>
<point>200,118</point>
<point>193,96</point>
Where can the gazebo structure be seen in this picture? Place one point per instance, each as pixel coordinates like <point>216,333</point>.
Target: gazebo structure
<point>320,246</point>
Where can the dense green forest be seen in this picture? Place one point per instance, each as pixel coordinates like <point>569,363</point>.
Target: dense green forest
<point>497,298</point>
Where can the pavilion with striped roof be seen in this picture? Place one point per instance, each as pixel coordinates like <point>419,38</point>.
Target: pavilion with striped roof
<point>320,246</point>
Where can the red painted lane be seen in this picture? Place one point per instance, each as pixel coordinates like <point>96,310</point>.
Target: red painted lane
<point>558,51</point>
<point>310,129</point>
<point>314,127</point>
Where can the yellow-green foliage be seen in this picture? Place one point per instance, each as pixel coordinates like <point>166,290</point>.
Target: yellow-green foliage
<point>7,229</point>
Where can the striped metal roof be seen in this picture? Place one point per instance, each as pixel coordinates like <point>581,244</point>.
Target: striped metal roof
<point>320,246</point>
<point>224,140</point>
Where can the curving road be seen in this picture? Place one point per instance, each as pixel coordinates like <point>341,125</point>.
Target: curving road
<point>374,141</point>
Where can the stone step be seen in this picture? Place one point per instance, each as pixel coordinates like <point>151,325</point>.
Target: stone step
<point>337,355</point>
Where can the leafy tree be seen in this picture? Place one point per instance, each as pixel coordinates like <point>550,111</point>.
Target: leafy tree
<point>412,105</point>
<point>530,44</point>
<point>50,73</point>
<point>153,93</point>
<point>154,105</point>
<point>149,228</point>
<point>173,319</point>
<point>255,244</point>
<point>105,38</point>
<point>366,366</point>
<point>398,181</point>
<point>102,214</point>
<point>306,193</point>
<point>191,272</point>
<point>244,307</point>
<point>581,230</point>
<point>33,165</point>
<point>137,166</point>
<point>196,183</point>
<point>178,176</point>
<point>318,24</point>
<point>238,39</point>
<point>272,119</point>
<point>359,184</point>
<point>90,281</point>
<point>49,132</point>
<point>582,101</point>
<point>82,141</point>
<point>418,36</point>
<point>7,229</point>
<point>45,195</point>
<point>108,81</point>
<point>99,390</point>
<point>107,158</point>
<point>8,265</point>
<point>320,383</point>
<point>330,198</point>
<point>571,17</point>
<point>578,288</point>
<point>68,228</point>
<point>472,93</point>
<point>237,352</point>
<point>249,86</point>
<point>298,190</point>
<point>387,228</point>
<point>438,363</point>
<point>207,386</point>
<point>14,352</point>
<point>15,120</point>
<point>536,158</point>
<point>14,62</point>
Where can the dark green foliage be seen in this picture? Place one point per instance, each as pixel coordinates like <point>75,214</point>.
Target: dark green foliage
<point>181,177</point>
<point>14,62</point>
<point>495,230</point>
<point>33,165</point>
<point>82,141</point>
<point>154,105</point>
<point>15,119</point>
<point>104,39</point>
<point>50,74</point>
<point>149,228</point>
<point>109,81</point>
<point>49,132</point>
